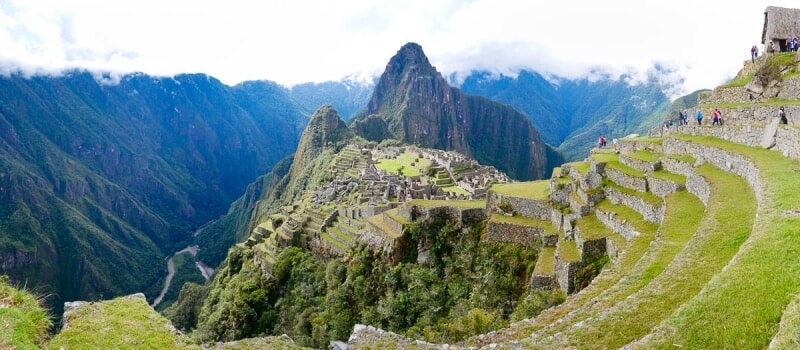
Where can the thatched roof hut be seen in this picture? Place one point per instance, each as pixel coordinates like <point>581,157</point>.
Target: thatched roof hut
<point>780,23</point>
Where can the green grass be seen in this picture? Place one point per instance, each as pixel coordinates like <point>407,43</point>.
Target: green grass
<point>591,228</point>
<point>631,216</point>
<point>644,156</point>
<point>742,81</point>
<point>742,305</point>
<point>683,158</point>
<point>655,140</point>
<point>640,262</point>
<point>581,167</point>
<point>455,190</point>
<point>519,220</point>
<point>624,169</point>
<point>568,251</point>
<point>556,172</point>
<point>668,176</point>
<point>470,204</point>
<point>23,320</point>
<point>648,197</point>
<point>333,231</point>
<point>605,157</point>
<point>532,189</point>
<point>394,166</point>
<point>546,263</point>
<point>327,238</point>
<point>122,323</point>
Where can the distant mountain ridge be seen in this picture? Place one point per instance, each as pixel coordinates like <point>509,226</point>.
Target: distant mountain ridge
<point>419,107</point>
<point>99,182</point>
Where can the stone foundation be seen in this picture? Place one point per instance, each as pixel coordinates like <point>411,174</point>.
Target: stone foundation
<point>650,212</point>
<point>663,188</point>
<point>638,164</point>
<point>627,181</point>
<point>528,236</point>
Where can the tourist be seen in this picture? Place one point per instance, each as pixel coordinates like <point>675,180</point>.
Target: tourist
<point>716,117</point>
<point>601,142</point>
<point>753,54</point>
<point>699,117</point>
<point>685,118</point>
<point>782,114</point>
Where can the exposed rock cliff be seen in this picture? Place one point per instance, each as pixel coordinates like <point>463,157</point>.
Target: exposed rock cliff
<point>419,107</point>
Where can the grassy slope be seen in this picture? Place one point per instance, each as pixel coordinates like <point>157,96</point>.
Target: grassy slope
<point>23,321</point>
<point>741,306</point>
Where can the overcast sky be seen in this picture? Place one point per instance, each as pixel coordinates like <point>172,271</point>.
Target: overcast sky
<point>703,42</point>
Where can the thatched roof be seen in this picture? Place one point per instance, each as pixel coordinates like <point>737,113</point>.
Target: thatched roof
<point>780,23</point>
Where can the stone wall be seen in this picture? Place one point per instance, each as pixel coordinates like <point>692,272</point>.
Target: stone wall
<point>650,212</point>
<point>591,250</point>
<point>628,181</point>
<point>638,164</point>
<point>727,161</point>
<point>625,146</point>
<point>543,282</point>
<point>531,208</point>
<point>663,188</point>
<point>565,274</point>
<point>677,166</point>
<point>698,186</point>
<point>616,224</point>
<point>510,233</point>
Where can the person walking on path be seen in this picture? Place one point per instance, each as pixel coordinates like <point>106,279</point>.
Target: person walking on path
<point>699,118</point>
<point>753,53</point>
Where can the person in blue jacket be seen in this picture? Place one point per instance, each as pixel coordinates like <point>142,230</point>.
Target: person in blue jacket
<point>699,118</point>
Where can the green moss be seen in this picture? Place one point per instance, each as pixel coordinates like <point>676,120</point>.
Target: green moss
<point>532,189</point>
<point>545,265</point>
<point>117,324</point>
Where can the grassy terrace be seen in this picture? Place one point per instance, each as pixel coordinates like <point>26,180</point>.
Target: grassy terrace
<point>609,314</point>
<point>568,251</point>
<point>683,158</point>
<point>668,176</point>
<point>394,166</point>
<point>581,167</point>
<point>765,269</point>
<point>379,221</point>
<point>471,204</point>
<point>605,157</point>
<point>631,216</point>
<point>644,156</point>
<point>455,190</point>
<point>326,236</point>
<point>546,263</point>
<point>649,197</point>
<point>656,140</point>
<point>518,220</point>
<point>556,172</point>
<point>532,189</point>
<point>612,162</point>
<point>591,228</point>
<point>396,217</point>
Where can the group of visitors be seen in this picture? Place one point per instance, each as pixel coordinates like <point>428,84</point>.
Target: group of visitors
<point>792,44</point>
<point>753,53</point>
<point>601,142</point>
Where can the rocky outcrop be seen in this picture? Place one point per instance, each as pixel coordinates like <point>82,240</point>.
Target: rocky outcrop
<point>419,107</point>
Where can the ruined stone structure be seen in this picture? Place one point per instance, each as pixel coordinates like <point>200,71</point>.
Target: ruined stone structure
<point>780,23</point>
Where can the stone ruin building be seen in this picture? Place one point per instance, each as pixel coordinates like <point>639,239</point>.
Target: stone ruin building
<point>780,23</point>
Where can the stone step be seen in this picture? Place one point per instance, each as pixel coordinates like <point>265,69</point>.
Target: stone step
<point>543,277</point>
<point>644,161</point>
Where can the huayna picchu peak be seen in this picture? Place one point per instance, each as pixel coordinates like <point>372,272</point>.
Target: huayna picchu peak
<point>419,107</point>
<point>406,228</point>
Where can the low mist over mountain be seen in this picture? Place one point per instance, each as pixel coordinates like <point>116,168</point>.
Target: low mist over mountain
<point>98,183</point>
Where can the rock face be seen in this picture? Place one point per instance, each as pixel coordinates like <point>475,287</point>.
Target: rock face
<point>419,107</point>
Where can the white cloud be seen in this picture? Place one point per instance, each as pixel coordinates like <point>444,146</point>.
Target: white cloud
<point>702,42</point>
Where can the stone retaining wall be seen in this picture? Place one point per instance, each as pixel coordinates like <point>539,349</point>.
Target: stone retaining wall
<point>591,250</point>
<point>528,236</point>
<point>592,180</point>
<point>565,274</point>
<point>730,162</point>
<point>617,225</point>
<point>591,198</point>
<point>663,188</point>
<point>638,164</point>
<point>677,166</point>
<point>543,282</point>
<point>531,208</point>
<point>625,146</point>
<point>628,181</point>
<point>650,212</point>
<point>787,141</point>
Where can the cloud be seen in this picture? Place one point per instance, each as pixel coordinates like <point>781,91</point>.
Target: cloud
<point>700,43</point>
